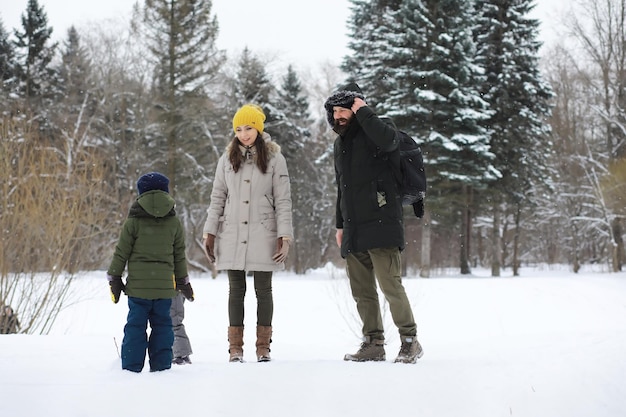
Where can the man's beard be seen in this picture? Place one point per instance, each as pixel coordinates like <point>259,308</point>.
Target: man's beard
<point>341,129</point>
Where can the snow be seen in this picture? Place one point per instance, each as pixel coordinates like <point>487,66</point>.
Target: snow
<point>549,343</point>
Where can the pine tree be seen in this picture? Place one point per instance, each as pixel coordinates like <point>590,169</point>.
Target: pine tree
<point>508,51</point>
<point>371,25</point>
<point>291,131</point>
<point>35,53</point>
<point>291,115</point>
<point>7,69</point>
<point>518,96</point>
<point>434,95</point>
<point>180,36</point>
<point>419,55</point>
<point>252,82</point>
<point>75,69</point>
<point>7,55</point>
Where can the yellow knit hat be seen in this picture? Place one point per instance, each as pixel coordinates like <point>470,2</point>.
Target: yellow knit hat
<point>251,115</point>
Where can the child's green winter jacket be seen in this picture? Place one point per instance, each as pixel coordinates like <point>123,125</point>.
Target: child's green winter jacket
<point>152,243</point>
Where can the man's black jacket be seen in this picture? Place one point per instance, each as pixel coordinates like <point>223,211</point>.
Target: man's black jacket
<point>369,207</point>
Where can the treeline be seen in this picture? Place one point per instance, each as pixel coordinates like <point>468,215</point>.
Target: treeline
<point>116,102</point>
<point>525,164</point>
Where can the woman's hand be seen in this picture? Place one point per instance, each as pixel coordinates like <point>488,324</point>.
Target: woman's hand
<point>209,246</point>
<point>282,250</point>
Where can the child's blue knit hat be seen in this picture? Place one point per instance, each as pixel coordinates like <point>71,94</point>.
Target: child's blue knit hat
<point>153,181</point>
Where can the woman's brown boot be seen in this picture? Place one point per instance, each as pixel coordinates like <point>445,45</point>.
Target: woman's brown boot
<point>263,340</point>
<point>235,340</point>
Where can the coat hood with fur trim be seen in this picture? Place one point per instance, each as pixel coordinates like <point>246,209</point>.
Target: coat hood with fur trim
<point>273,148</point>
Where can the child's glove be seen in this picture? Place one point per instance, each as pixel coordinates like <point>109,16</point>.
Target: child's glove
<point>283,250</point>
<point>183,285</point>
<point>116,286</point>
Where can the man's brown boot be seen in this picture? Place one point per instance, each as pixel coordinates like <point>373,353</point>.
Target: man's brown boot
<point>371,350</point>
<point>410,350</point>
<point>263,340</point>
<point>235,340</point>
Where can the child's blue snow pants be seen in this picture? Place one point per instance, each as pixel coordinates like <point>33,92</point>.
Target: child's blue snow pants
<point>136,341</point>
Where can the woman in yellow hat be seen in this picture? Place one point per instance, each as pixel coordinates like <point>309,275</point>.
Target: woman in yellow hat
<point>249,224</point>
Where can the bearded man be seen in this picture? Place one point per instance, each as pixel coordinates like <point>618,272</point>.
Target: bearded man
<point>370,229</point>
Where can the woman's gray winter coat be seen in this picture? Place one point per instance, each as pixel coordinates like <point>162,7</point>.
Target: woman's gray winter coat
<point>249,211</point>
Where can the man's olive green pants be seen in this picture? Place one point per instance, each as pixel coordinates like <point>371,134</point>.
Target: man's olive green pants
<point>382,265</point>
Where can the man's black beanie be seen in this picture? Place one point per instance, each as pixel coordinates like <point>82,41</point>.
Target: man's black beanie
<point>344,97</point>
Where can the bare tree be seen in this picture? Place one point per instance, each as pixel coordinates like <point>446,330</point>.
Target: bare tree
<point>48,221</point>
<point>600,33</point>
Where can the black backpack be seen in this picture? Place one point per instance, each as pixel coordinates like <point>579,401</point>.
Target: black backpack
<point>409,170</point>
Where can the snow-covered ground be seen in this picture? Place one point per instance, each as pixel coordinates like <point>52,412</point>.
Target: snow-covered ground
<point>547,344</point>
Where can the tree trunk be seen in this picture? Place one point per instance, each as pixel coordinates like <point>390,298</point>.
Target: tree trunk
<point>297,266</point>
<point>480,249</point>
<point>495,245</point>
<point>618,247</point>
<point>575,249</point>
<point>516,233</point>
<point>464,235</point>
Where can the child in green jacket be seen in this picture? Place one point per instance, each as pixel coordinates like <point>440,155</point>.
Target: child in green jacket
<point>152,244</point>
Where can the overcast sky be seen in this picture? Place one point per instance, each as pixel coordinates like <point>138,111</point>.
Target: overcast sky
<point>305,33</point>
<point>311,33</point>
